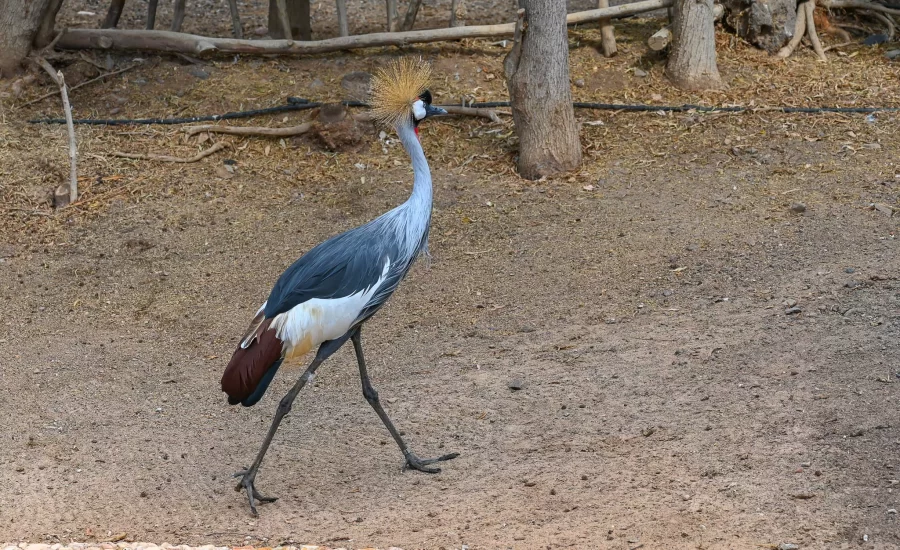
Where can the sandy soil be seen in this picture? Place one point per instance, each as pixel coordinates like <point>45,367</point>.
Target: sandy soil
<point>669,399</point>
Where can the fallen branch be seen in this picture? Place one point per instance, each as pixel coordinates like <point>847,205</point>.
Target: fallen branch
<point>165,158</point>
<point>607,33</point>
<point>57,77</point>
<point>472,111</point>
<point>248,130</point>
<point>85,83</point>
<point>166,41</point>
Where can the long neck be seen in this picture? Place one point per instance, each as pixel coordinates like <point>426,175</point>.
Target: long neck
<point>421,193</point>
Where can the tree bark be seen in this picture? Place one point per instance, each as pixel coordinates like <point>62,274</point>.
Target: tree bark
<point>537,75</point>
<point>298,16</point>
<point>692,61</point>
<point>47,31</point>
<point>113,14</point>
<point>20,21</point>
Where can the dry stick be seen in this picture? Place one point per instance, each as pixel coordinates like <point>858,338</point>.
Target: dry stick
<point>249,130</point>
<point>178,16</point>
<point>473,111</point>
<point>607,36</point>
<point>85,83</point>
<point>165,158</point>
<point>57,77</point>
<point>235,19</point>
<point>163,41</point>
<point>810,7</point>
<point>342,17</point>
<point>281,5</point>
<point>836,46</point>
<point>799,30</point>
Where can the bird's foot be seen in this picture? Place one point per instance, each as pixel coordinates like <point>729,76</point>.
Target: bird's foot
<point>248,477</point>
<point>415,463</point>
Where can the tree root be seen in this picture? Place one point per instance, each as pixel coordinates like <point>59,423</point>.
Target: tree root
<point>805,25</point>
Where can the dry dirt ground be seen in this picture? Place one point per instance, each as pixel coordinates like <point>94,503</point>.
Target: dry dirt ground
<point>668,400</point>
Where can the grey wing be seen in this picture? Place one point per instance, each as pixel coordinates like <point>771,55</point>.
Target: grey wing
<point>339,267</point>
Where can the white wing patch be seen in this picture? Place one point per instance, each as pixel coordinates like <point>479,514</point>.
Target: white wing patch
<point>317,320</point>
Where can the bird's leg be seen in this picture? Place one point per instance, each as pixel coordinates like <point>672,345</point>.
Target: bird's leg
<point>412,461</point>
<point>248,475</point>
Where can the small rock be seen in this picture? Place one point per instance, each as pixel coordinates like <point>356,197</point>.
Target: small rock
<point>668,292</point>
<point>892,511</point>
<point>640,73</point>
<point>791,303</point>
<point>852,284</point>
<point>140,81</point>
<point>317,83</point>
<point>892,54</point>
<point>849,270</point>
<point>798,208</point>
<point>792,311</point>
<point>610,321</point>
<point>199,72</point>
<point>516,384</point>
<point>692,247</point>
<point>788,546</point>
<point>806,464</point>
<point>579,82</point>
<point>260,31</point>
<point>875,39</point>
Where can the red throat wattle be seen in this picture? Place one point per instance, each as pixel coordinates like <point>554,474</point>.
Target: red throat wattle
<point>417,131</point>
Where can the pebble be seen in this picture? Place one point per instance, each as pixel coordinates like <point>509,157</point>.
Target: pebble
<point>892,54</point>
<point>788,546</point>
<point>792,311</point>
<point>892,511</point>
<point>580,83</point>
<point>640,73</point>
<point>199,72</point>
<point>798,208</point>
<point>516,384</point>
<point>849,270</point>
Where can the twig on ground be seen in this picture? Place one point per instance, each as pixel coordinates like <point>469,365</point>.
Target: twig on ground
<point>473,111</point>
<point>85,83</point>
<point>57,77</point>
<point>836,46</point>
<point>249,130</point>
<point>165,158</point>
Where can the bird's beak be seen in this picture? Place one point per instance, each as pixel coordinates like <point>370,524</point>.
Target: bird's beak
<point>431,110</point>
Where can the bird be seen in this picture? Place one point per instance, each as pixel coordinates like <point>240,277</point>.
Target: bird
<point>323,298</point>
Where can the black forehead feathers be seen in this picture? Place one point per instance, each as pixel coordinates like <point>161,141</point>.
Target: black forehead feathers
<point>425,97</point>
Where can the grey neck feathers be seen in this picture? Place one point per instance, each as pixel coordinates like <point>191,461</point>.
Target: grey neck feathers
<point>421,193</point>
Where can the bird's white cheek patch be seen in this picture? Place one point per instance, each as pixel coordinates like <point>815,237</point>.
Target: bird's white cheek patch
<point>419,109</point>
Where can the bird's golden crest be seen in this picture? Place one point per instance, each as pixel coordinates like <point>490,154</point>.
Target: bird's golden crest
<point>396,87</point>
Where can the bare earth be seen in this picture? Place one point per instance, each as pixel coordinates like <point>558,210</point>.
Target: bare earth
<point>668,400</point>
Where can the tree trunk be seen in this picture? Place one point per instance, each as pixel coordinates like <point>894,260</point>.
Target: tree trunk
<point>767,24</point>
<point>607,34</point>
<point>692,61</point>
<point>298,15</point>
<point>113,14</point>
<point>537,75</point>
<point>20,21</point>
<point>47,31</point>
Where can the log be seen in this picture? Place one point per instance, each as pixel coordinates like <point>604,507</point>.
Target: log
<point>191,44</point>
<point>660,39</point>
<point>249,130</point>
<point>607,36</point>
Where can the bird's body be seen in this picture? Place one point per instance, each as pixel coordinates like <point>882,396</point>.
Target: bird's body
<point>323,298</point>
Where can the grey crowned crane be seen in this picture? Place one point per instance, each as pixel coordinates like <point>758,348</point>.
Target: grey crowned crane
<point>324,297</point>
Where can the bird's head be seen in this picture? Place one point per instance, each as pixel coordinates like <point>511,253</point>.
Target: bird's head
<point>422,109</point>
<point>400,96</point>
